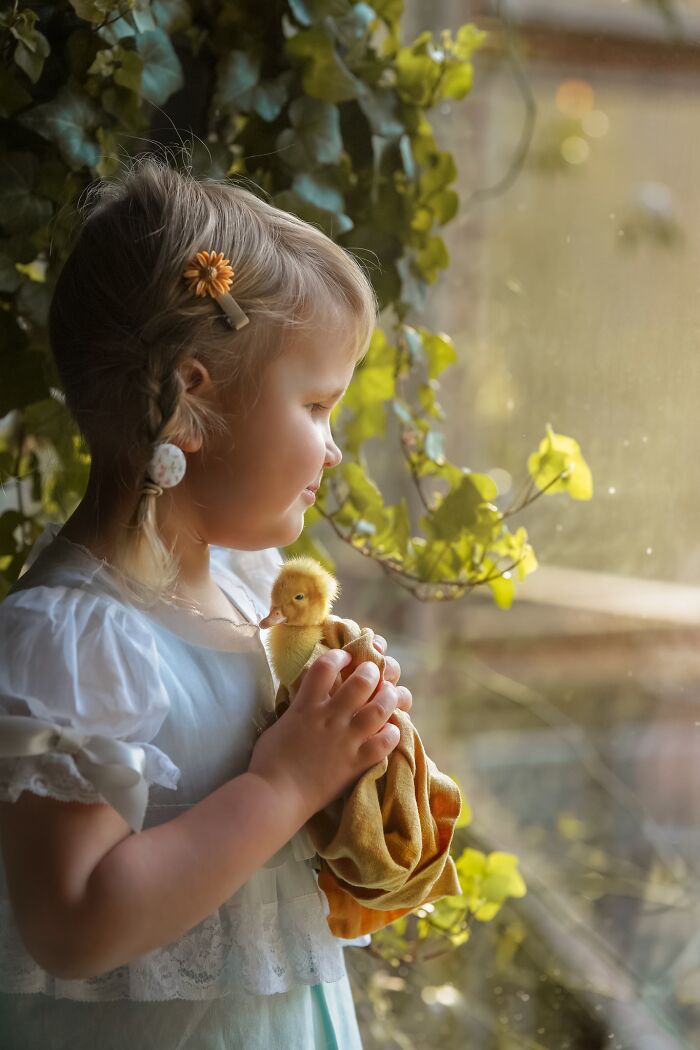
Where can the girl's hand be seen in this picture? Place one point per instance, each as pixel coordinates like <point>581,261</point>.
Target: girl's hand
<point>322,744</point>
<point>392,673</point>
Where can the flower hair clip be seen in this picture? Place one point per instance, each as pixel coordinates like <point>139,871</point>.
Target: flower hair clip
<point>209,273</point>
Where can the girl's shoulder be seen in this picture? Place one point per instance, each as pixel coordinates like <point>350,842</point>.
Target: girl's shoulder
<point>72,650</point>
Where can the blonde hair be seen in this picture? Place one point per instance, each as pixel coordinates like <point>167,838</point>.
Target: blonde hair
<point>122,318</point>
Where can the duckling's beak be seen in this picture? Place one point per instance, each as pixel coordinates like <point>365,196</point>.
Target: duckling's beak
<point>274,616</point>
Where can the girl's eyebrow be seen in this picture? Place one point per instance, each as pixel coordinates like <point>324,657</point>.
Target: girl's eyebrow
<point>334,394</point>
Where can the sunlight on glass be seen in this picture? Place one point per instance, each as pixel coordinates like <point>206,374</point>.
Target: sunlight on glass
<point>596,124</point>
<point>575,150</point>
<point>574,98</point>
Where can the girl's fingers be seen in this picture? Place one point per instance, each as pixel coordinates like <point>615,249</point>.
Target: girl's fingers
<point>404,697</point>
<point>380,642</point>
<point>370,718</point>
<point>380,744</point>
<point>321,676</point>
<point>356,690</point>
<point>392,670</point>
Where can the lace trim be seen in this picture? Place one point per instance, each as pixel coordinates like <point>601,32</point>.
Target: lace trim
<point>264,949</point>
<point>55,775</point>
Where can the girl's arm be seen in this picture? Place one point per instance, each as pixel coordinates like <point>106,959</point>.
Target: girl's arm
<point>88,895</point>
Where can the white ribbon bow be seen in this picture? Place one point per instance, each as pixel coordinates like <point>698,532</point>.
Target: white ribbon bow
<point>114,767</point>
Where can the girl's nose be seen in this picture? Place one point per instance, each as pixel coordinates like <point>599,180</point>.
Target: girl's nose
<point>333,455</point>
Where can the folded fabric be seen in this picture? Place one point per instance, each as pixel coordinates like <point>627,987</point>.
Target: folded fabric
<point>384,843</point>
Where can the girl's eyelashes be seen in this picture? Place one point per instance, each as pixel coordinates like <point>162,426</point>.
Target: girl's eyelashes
<point>317,405</point>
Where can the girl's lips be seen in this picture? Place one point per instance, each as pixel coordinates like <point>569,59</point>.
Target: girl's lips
<point>310,494</point>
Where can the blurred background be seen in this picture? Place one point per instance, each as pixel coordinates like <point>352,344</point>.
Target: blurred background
<point>572,720</point>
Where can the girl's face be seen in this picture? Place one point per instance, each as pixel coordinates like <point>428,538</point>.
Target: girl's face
<point>252,480</point>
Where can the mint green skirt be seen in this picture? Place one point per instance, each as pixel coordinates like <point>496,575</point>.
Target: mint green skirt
<point>308,1017</point>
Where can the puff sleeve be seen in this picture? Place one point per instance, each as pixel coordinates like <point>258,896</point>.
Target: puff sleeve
<point>80,699</point>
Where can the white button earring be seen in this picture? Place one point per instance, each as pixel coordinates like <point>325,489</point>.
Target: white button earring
<point>168,465</point>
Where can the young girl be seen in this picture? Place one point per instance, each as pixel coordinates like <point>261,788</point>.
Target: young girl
<point>159,888</point>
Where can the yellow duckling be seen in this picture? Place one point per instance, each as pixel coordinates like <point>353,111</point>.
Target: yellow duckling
<point>302,627</point>
<point>384,844</point>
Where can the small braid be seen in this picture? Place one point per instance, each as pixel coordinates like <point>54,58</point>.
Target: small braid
<point>161,388</point>
<point>161,394</point>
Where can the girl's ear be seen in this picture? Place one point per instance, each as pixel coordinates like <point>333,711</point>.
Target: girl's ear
<point>197,381</point>
<point>195,376</point>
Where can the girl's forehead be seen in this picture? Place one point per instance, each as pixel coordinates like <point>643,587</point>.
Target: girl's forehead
<point>328,354</point>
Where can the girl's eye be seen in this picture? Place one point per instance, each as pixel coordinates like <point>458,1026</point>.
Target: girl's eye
<point>317,406</point>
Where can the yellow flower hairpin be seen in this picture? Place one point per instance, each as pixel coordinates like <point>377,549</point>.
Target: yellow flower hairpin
<point>209,273</point>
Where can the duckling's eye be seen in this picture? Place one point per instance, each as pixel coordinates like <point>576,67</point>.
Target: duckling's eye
<point>298,597</point>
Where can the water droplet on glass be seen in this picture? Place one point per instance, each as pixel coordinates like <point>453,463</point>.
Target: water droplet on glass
<point>649,550</point>
<point>612,490</point>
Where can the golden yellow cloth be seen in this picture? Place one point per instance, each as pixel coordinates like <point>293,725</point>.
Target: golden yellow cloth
<point>384,843</point>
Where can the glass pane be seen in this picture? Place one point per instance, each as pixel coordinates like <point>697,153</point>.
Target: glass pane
<point>572,720</point>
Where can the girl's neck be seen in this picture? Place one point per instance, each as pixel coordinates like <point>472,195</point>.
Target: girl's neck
<point>96,529</point>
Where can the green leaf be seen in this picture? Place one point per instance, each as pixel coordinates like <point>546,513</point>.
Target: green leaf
<point>439,350</point>
<point>315,138</point>
<point>171,15</point>
<point>468,40</point>
<point>354,27</point>
<point>162,72</point>
<point>417,76</point>
<point>90,10</point>
<point>20,208</point>
<point>503,590</point>
<point>456,80</point>
<point>370,383</point>
<point>67,121</point>
<point>363,492</point>
<point>332,223</point>
<point>31,54</point>
<point>321,192</point>
<point>269,98</point>
<point>142,16</point>
<point>369,423</point>
<point>559,454</point>
<point>130,72</point>
<point>435,446</point>
<point>236,73</point>
<point>325,75</point>
<point>432,258</point>
<point>459,508</point>
<point>32,46</point>
<point>382,110</point>
<point>413,288</point>
<point>440,171</point>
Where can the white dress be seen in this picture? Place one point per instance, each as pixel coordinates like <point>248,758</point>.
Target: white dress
<point>177,700</point>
